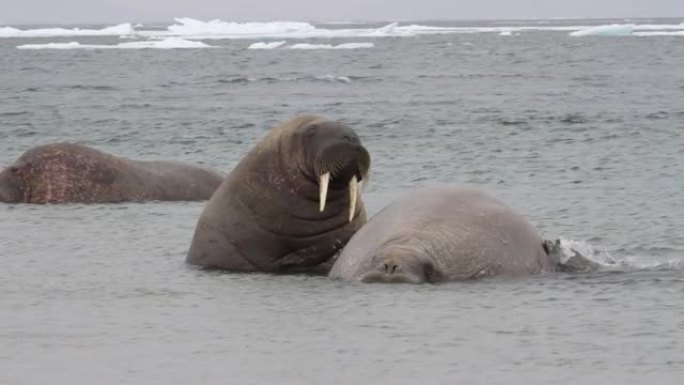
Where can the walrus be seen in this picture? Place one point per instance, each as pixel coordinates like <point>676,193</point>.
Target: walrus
<point>75,173</point>
<point>289,205</point>
<point>447,233</point>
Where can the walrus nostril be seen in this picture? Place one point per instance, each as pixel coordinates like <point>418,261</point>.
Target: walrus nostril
<point>390,267</point>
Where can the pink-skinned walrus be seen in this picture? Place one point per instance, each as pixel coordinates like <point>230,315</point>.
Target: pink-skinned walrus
<point>74,173</point>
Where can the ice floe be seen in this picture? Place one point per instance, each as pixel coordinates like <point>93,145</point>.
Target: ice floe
<point>606,30</point>
<point>193,29</point>
<point>267,45</point>
<point>169,43</point>
<point>121,29</point>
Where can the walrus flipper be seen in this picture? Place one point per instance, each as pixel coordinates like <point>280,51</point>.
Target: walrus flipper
<point>575,263</point>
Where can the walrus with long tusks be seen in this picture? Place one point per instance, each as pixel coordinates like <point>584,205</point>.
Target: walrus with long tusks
<point>75,173</point>
<point>447,233</point>
<point>289,205</point>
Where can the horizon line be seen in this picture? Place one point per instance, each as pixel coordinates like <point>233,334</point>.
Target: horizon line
<point>350,21</point>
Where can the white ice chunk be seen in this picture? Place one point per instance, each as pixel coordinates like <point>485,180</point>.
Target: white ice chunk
<point>606,30</point>
<point>170,43</point>
<point>267,45</point>
<point>121,29</point>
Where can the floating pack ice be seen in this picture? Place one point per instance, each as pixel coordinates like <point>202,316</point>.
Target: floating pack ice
<point>169,43</point>
<point>121,29</point>
<point>267,45</point>
<point>606,30</point>
<point>190,27</point>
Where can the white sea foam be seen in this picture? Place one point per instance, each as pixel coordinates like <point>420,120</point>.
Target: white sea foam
<point>606,30</point>
<point>169,43</point>
<point>267,45</point>
<point>121,29</point>
<point>329,46</point>
<point>607,260</point>
<point>586,250</point>
<point>506,33</point>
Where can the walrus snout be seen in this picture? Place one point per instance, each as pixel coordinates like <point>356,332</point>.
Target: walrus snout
<point>394,270</point>
<point>10,185</point>
<point>342,165</point>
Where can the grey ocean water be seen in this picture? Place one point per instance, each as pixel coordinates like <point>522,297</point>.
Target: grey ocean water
<point>582,135</point>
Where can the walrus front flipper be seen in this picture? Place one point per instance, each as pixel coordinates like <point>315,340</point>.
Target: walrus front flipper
<point>575,263</point>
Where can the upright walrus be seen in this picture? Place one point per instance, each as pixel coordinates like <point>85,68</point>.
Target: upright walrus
<point>289,205</point>
<point>74,173</point>
<point>448,233</point>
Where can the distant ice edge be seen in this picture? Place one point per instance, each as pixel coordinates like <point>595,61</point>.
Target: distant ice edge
<point>169,43</point>
<point>189,28</point>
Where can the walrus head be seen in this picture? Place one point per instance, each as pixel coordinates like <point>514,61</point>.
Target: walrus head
<point>402,264</point>
<point>11,185</point>
<point>335,159</point>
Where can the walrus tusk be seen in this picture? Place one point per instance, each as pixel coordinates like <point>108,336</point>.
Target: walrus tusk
<point>353,192</point>
<point>323,181</point>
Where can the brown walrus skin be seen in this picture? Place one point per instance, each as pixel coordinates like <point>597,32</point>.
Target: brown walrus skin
<point>74,173</point>
<point>289,205</point>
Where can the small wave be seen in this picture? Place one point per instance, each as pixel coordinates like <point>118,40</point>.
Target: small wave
<point>267,45</point>
<point>573,119</point>
<point>14,113</point>
<point>606,30</point>
<point>334,79</point>
<point>329,46</point>
<point>316,78</point>
<point>238,80</point>
<point>658,115</point>
<point>90,87</point>
<point>170,43</point>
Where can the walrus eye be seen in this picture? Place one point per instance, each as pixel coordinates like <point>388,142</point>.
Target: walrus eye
<point>311,130</point>
<point>14,170</point>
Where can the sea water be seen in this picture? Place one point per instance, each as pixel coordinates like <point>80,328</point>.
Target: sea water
<point>581,134</point>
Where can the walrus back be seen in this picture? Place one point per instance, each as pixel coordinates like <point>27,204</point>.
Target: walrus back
<point>469,233</point>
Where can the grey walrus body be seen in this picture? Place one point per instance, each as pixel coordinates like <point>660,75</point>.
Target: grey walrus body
<point>74,173</point>
<point>441,234</point>
<point>289,205</point>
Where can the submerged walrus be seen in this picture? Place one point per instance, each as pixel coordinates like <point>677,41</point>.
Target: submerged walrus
<point>446,233</point>
<point>74,173</point>
<point>289,205</point>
